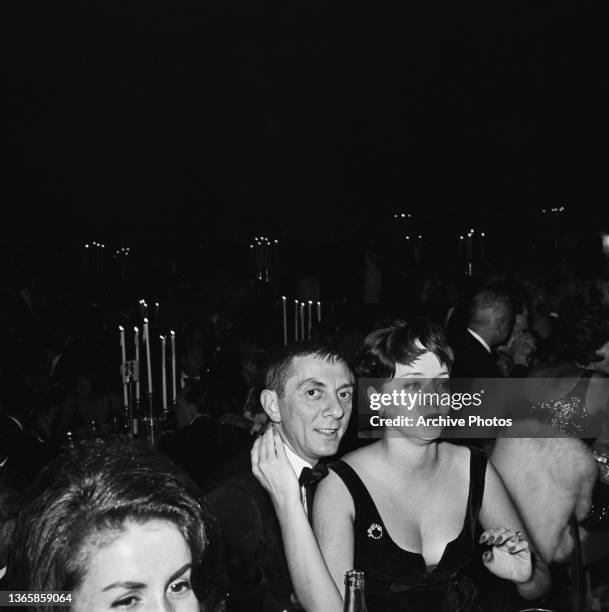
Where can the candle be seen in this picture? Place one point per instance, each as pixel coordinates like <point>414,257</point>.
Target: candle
<point>172,337</point>
<point>309,313</point>
<point>137,359</point>
<point>156,314</point>
<point>285,320</point>
<point>302,334</point>
<point>148,360</point>
<point>295,320</point>
<point>121,329</point>
<point>319,312</point>
<point>482,236</point>
<point>460,248</point>
<point>470,245</point>
<point>164,371</point>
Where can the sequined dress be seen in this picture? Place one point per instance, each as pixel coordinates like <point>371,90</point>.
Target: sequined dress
<point>570,415</point>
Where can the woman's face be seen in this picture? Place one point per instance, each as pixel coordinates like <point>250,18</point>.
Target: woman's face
<point>146,567</point>
<point>423,383</point>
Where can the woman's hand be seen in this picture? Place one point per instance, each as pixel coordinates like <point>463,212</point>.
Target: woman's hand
<point>271,467</point>
<point>510,555</point>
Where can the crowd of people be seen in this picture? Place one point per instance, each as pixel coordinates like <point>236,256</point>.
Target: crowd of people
<point>260,495</point>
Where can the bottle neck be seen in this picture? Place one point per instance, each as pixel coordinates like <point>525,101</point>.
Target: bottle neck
<point>354,599</point>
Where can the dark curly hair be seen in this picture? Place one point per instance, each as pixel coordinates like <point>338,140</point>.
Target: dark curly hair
<point>386,347</point>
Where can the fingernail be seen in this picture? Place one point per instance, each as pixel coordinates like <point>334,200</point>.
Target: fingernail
<point>487,556</point>
<point>491,540</point>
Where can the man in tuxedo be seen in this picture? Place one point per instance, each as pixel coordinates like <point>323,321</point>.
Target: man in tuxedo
<point>308,397</point>
<point>489,324</point>
<point>193,362</point>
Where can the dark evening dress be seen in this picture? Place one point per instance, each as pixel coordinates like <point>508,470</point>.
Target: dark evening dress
<point>397,579</point>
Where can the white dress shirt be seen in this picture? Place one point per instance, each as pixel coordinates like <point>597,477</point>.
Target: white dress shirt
<point>298,464</point>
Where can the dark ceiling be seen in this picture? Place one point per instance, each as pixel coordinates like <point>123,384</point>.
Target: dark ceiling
<point>128,116</point>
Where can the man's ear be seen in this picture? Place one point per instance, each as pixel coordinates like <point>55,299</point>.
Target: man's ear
<point>270,403</point>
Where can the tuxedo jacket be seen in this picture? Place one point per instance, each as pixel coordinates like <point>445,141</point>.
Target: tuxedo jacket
<point>472,360</point>
<point>258,576</point>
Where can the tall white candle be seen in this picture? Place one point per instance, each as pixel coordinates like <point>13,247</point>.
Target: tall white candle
<point>174,392</point>
<point>121,329</point>
<point>310,315</point>
<point>284,310</point>
<point>148,360</point>
<point>164,370</point>
<point>136,339</point>
<point>319,312</point>
<point>295,320</point>
<point>302,334</point>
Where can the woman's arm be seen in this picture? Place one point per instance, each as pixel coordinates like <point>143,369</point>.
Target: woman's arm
<point>312,582</point>
<point>333,516</point>
<point>498,511</point>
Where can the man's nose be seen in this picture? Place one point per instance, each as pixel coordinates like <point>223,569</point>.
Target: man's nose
<point>334,408</point>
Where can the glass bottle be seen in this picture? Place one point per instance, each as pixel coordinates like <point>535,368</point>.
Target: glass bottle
<point>355,599</point>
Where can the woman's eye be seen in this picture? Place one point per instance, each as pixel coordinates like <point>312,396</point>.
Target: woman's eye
<point>126,602</point>
<point>413,386</point>
<point>313,393</point>
<point>180,587</point>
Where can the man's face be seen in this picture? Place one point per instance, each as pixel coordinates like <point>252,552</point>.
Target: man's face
<point>315,406</point>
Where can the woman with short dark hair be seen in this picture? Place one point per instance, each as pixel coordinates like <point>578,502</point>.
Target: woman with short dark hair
<point>117,525</point>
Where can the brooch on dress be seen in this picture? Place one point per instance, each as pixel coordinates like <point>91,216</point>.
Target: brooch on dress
<point>375,531</point>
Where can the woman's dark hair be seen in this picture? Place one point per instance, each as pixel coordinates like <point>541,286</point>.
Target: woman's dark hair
<point>587,334</point>
<point>88,494</point>
<point>386,347</point>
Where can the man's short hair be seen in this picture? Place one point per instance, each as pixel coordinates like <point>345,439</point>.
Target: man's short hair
<point>489,306</point>
<point>279,363</point>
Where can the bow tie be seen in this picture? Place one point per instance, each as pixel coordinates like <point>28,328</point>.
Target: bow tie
<point>310,476</point>
<point>189,380</point>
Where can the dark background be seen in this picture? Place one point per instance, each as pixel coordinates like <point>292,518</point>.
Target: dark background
<point>220,120</point>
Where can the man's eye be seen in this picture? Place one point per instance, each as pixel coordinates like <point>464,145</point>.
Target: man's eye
<point>345,395</point>
<point>126,602</point>
<point>180,587</point>
<point>313,393</point>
